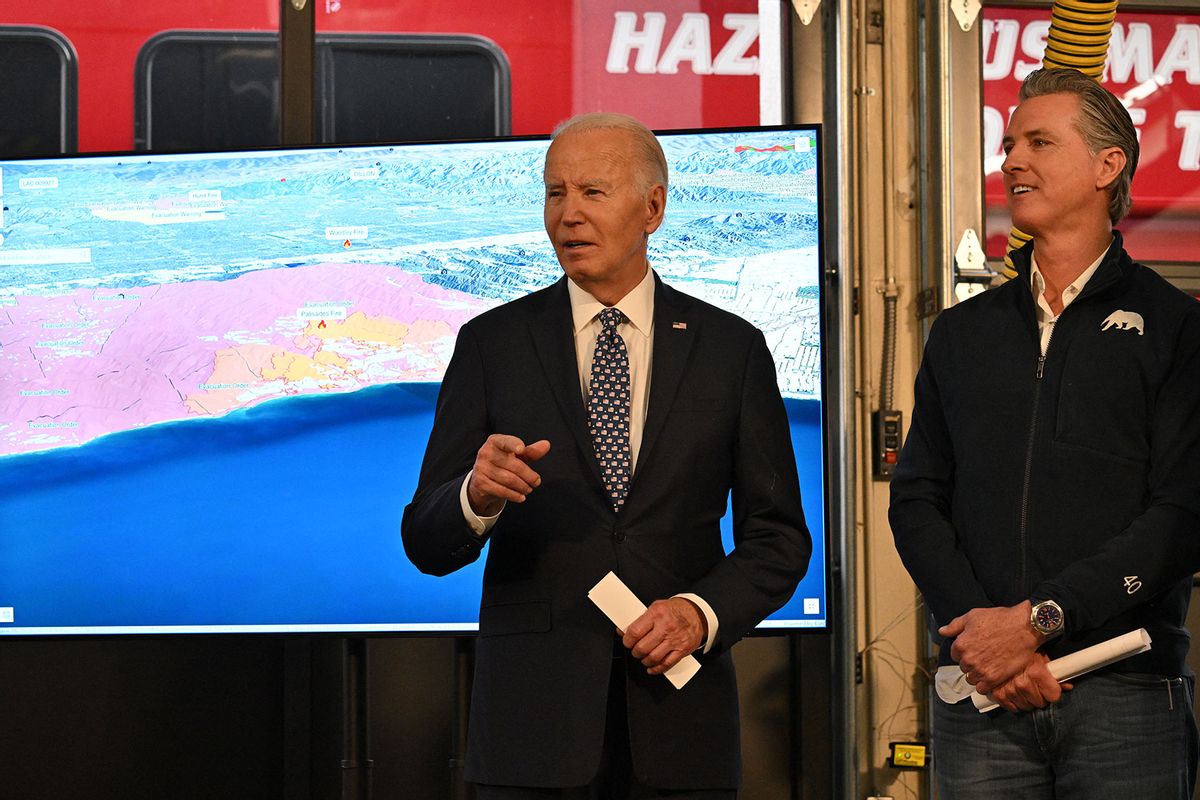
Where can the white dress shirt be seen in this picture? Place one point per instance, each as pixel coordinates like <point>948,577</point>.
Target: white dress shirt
<point>638,333</point>
<point>1045,315</point>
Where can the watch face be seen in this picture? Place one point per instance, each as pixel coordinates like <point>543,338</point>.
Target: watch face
<point>1048,617</point>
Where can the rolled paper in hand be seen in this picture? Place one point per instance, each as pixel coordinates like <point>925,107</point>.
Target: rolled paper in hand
<point>1083,661</point>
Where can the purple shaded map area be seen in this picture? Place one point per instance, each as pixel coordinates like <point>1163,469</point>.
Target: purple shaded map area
<point>87,363</point>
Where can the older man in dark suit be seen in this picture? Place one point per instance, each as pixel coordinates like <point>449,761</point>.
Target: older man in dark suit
<point>602,424</point>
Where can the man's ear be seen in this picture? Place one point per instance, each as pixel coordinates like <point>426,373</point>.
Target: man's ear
<point>656,205</point>
<point>1111,162</point>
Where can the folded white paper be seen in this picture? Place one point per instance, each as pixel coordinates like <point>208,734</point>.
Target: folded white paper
<point>622,607</point>
<point>952,686</point>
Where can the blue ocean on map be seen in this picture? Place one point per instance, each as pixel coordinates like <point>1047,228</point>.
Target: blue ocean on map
<point>290,509</point>
<point>284,514</point>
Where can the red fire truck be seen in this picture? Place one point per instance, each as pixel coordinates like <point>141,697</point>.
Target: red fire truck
<point>124,74</point>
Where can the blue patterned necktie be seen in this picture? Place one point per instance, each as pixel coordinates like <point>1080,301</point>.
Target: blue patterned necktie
<point>608,407</point>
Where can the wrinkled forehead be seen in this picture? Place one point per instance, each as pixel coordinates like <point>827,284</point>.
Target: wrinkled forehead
<point>605,153</point>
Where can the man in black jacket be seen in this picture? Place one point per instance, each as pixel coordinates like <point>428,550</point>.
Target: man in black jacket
<point>1048,495</point>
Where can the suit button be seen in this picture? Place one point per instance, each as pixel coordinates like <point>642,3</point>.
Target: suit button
<point>619,536</point>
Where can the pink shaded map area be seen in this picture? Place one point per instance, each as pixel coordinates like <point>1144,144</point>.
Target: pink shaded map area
<point>91,362</point>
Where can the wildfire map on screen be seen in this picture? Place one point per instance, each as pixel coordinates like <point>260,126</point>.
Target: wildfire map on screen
<point>220,369</point>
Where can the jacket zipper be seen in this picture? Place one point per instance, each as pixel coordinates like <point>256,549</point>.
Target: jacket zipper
<point>1093,286</point>
<point>1033,423</point>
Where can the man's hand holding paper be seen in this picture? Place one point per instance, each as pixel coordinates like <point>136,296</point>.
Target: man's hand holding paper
<point>992,645</point>
<point>668,630</point>
<point>1033,687</point>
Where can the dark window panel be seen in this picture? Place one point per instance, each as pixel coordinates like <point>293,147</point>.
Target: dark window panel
<point>200,91</point>
<point>39,92</point>
<point>220,90</point>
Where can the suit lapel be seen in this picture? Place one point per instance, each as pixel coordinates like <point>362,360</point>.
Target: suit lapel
<point>553,333</point>
<point>674,333</point>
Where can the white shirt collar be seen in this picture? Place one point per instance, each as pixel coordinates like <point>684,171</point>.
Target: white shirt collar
<point>1070,292</point>
<point>637,306</point>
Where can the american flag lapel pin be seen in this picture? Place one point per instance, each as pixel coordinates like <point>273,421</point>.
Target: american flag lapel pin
<point>679,326</point>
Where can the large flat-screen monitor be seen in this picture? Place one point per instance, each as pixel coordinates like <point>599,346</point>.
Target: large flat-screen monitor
<point>220,370</point>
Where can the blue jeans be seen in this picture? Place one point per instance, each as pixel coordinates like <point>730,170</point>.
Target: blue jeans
<point>1113,737</point>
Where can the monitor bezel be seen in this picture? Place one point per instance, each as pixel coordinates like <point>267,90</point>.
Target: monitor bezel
<point>831,362</point>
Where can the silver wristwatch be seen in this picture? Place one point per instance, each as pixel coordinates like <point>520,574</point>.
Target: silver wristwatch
<point>1047,618</point>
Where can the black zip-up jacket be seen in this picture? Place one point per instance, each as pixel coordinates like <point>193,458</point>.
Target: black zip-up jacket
<point>1073,477</point>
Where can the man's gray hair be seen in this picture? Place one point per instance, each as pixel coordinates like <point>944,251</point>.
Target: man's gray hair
<point>1102,122</point>
<point>649,158</point>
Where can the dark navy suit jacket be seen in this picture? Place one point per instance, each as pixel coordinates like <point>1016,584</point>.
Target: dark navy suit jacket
<point>715,424</point>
